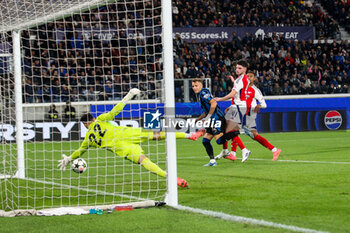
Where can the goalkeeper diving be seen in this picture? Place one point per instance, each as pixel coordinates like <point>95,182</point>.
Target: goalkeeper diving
<point>122,141</point>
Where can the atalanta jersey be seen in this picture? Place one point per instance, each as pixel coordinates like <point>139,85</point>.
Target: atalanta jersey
<point>204,97</point>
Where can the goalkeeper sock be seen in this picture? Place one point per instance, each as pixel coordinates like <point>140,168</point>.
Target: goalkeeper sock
<point>178,135</point>
<point>182,135</point>
<point>152,167</point>
<point>162,135</point>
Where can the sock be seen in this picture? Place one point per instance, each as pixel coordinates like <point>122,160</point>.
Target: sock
<point>208,148</point>
<point>225,145</point>
<point>162,135</point>
<point>233,146</point>
<point>227,136</point>
<point>239,142</point>
<point>181,135</point>
<point>178,135</point>
<point>263,141</point>
<point>152,167</point>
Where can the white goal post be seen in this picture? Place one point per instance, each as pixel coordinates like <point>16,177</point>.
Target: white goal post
<point>88,53</point>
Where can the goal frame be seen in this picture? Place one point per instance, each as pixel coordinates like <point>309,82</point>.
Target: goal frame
<point>171,197</point>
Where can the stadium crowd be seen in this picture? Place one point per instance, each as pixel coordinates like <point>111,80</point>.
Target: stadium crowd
<point>282,67</point>
<point>245,13</point>
<point>340,10</point>
<point>60,64</point>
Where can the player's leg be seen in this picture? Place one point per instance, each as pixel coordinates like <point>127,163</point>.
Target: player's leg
<point>142,135</point>
<point>228,117</point>
<point>209,148</point>
<point>250,130</point>
<point>231,131</point>
<point>263,141</point>
<point>135,153</point>
<point>241,119</point>
<point>180,135</point>
<point>224,151</point>
<point>232,154</point>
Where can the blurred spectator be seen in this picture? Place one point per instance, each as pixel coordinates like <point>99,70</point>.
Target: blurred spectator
<point>53,114</point>
<point>261,13</point>
<point>108,90</point>
<point>77,66</point>
<point>69,111</point>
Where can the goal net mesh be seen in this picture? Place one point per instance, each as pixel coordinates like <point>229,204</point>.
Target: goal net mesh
<point>90,54</point>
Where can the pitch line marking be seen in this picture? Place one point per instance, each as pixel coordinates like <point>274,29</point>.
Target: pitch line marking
<point>85,189</point>
<point>279,160</point>
<point>239,219</point>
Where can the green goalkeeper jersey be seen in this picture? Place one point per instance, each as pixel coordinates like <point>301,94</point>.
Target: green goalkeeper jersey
<point>102,133</point>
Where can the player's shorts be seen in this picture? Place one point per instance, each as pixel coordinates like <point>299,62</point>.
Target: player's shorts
<point>129,145</point>
<point>136,135</point>
<point>237,114</point>
<point>217,130</point>
<point>251,121</point>
<point>131,151</point>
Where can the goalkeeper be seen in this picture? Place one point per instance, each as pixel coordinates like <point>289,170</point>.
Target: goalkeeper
<point>122,141</point>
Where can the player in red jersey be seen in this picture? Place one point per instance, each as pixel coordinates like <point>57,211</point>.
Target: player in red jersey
<point>237,111</point>
<point>253,95</point>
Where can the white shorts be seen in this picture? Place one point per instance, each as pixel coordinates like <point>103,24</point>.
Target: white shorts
<point>250,123</point>
<point>237,115</point>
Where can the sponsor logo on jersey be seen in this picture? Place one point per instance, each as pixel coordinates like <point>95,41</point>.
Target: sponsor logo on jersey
<point>333,120</point>
<point>206,96</point>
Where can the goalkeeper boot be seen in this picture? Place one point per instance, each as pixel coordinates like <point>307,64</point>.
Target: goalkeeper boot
<point>194,136</point>
<point>245,154</point>
<point>212,163</point>
<point>276,154</point>
<point>231,156</point>
<point>182,182</point>
<point>222,154</point>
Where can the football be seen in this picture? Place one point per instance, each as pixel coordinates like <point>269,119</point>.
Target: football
<point>79,165</point>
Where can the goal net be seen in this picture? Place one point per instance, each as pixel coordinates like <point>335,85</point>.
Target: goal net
<point>86,54</point>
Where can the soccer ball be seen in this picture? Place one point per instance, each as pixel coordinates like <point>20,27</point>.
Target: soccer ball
<point>79,165</point>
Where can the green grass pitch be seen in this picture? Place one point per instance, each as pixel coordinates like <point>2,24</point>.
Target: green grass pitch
<point>308,187</point>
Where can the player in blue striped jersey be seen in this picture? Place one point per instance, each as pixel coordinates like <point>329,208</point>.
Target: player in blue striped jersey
<point>218,128</point>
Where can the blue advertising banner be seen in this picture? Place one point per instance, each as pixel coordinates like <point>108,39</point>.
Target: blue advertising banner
<point>280,115</point>
<point>212,34</point>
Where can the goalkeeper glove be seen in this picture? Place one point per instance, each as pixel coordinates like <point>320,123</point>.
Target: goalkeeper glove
<point>131,94</point>
<point>62,164</point>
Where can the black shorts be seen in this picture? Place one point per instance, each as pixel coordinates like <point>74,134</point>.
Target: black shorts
<point>217,130</point>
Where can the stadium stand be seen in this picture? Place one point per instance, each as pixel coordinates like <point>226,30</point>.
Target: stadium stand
<point>245,13</point>
<point>103,72</point>
<point>340,11</point>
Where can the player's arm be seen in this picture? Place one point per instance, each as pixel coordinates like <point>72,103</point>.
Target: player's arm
<point>213,105</point>
<point>236,89</point>
<point>119,107</point>
<point>82,149</point>
<point>109,116</point>
<point>62,164</point>
<point>228,96</point>
<point>201,117</point>
<point>205,116</point>
<point>259,97</point>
